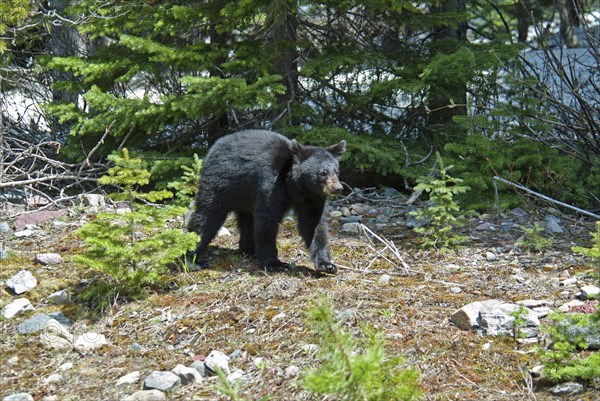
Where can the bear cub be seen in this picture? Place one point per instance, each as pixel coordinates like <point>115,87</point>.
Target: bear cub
<point>260,175</point>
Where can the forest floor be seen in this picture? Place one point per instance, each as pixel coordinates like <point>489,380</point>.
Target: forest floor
<point>235,306</point>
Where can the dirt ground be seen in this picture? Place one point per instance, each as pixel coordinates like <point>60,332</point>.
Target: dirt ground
<point>234,305</point>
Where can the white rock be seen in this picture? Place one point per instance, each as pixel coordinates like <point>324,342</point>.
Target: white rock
<point>53,378</point>
<point>13,361</point>
<point>490,256</point>
<point>279,316</point>
<point>90,341</point>
<point>28,232</point>
<point>259,362</point>
<point>224,232</point>
<point>466,318</point>
<point>146,395</point>
<point>384,279</point>
<point>234,376</point>
<point>65,366</point>
<point>569,282</point>
<point>291,372</point>
<point>217,359</point>
<point>61,297</point>
<point>567,307</point>
<point>129,378</point>
<point>187,375</point>
<point>22,282</point>
<point>534,303</point>
<point>18,397</point>
<point>55,335</point>
<point>310,348</point>
<point>94,201</point>
<point>589,291</point>
<point>48,258</point>
<point>16,307</point>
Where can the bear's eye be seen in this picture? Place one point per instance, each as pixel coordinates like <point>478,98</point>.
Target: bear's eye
<point>323,173</point>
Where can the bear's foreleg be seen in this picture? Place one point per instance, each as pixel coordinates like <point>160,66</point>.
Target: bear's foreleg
<point>312,225</point>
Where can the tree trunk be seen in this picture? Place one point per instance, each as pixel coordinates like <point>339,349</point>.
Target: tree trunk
<point>569,11</point>
<point>447,38</point>
<point>283,25</point>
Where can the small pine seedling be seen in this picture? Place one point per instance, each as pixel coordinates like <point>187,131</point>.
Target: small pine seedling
<point>356,369</point>
<point>185,188</point>
<point>444,213</point>
<point>133,248</point>
<point>533,238</point>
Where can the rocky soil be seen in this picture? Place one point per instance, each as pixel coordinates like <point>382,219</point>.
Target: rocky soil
<point>433,308</point>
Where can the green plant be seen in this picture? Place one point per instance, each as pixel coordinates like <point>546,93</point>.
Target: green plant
<point>133,248</point>
<point>568,335</point>
<point>519,322</point>
<point>443,213</point>
<point>186,187</point>
<point>533,238</point>
<point>356,369</point>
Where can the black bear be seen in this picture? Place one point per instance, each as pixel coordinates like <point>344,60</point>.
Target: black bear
<point>260,175</point>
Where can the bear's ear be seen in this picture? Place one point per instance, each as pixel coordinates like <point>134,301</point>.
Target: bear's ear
<point>337,149</point>
<point>300,152</point>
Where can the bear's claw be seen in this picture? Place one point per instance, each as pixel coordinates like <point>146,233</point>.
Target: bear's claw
<point>327,267</point>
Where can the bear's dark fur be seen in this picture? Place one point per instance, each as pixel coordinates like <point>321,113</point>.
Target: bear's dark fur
<point>260,175</point>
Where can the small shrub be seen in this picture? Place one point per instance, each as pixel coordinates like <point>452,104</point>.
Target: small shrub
<point>533,239</point>
<point>444,213</point>
<point>134,248</point>
<point>185,188</point>
<point>356,369</point>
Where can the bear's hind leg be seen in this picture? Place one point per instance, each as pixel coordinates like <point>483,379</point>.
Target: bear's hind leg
<point>205,222</point>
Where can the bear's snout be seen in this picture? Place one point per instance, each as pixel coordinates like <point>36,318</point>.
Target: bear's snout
<point>333,186</point>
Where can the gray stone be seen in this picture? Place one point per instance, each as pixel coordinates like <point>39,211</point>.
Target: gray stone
<point>163,381</point>
<point>467,317</point>
<point>490,256</point>
<point>3,253</point>
<point>390,193</point>
<point>146,395</point>
<point>22,282</point>
<point>16,307</point>
<point>90,341</point>
<point>350,219</point>
<point>552,224</point>
<point>4,227</point>
<point>200,368</point>
<point>61,297</point>
<point>346,212</point>
<point>346,314</point>
<point>351,228</point>
<point>24,233</point>
<point>382,219</point>
<point>48,258</point>
<point>18,397</point>
<point>412,221</point>
<point>519,213</point>
<point>534,303</point>
<point>39,321</point>
<point>384,279</point>
<point>568,388</point>
<point>187,375</point>
<point>499,320</point>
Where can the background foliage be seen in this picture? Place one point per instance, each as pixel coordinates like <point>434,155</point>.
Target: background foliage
<point>498,88</point>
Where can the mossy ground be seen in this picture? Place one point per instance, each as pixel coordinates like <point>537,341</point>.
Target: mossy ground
<point>234,305</point>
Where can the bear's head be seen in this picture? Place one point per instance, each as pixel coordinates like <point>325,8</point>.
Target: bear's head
<point>316,169</point>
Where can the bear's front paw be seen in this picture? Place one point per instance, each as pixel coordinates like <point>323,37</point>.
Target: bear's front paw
<point>193,263</point>
<point>276,266</point>
<point>326,267</point>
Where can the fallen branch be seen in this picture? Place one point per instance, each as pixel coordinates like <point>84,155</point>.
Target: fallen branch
<point>544,197</point>
<point>389,245</point>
